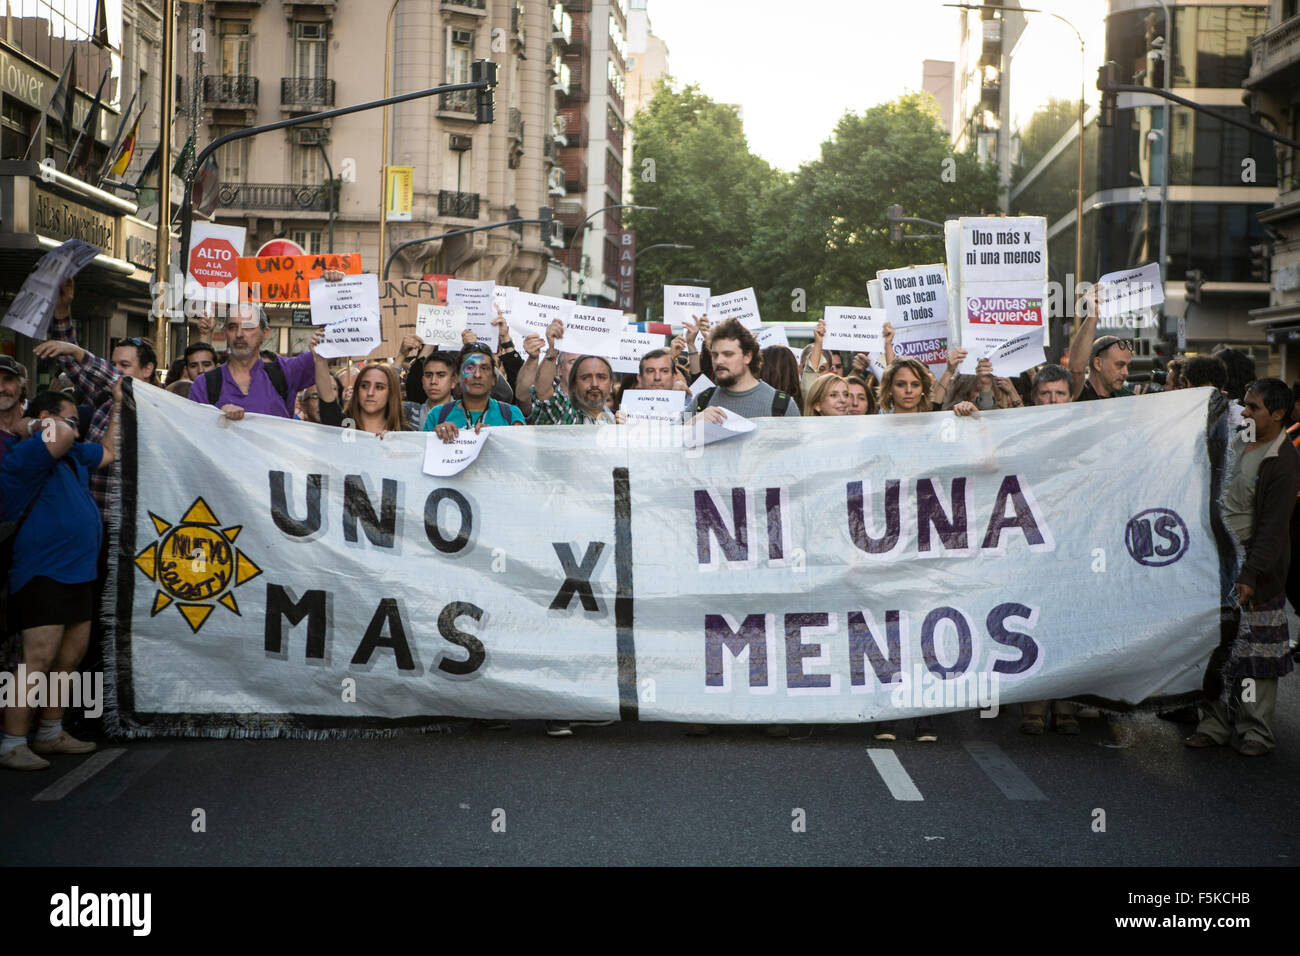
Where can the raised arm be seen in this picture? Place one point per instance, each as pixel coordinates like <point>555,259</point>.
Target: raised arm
<point>1081,344</point>
<point>545,386</point>
<point>527,376</point>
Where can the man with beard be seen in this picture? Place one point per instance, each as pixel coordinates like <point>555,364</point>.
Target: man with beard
<point>591,382</point>
<point>737,360</point>
<point>246,383</point>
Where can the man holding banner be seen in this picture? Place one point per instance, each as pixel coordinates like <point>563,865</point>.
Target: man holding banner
<point>246,383</point>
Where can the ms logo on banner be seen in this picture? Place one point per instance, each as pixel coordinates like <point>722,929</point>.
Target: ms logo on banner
<point>195,564</point>
<point>1156,537</point>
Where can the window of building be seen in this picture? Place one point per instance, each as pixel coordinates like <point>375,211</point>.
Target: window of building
<point>310,43</point>
<point>309,239</point>
<point>616,37</point>
<point>1212,44</point>
<point>460,54</point>
<point>232,158</point>
<point>15,129</point>
<point>616,79</point>
<point>307,165</point>
<point>236,47</point>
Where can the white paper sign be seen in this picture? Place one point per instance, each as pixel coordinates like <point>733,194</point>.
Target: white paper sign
<point>1018,354</point>
<point>440,325</point>
<point>347,338</point>
<point>631,346</point>
<point>503,298</point>
<point>443,459</point>
<point>32,308</point>
<point>704,432</point>
<point>592,331</point>
<point>770,335</point>
<point>533,312</point>
<point>854,330</point>
<point>684,303</point>
<point>1003,249</point>
<point>914,296</point>
<point>700,385</point>
<point>353,299</point>
<point>1131,291</point>
<point>994,313</point>
<point>653,405</point>
<point>735,305</point>
<point>476,299</point>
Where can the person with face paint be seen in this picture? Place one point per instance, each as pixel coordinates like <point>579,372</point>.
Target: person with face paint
<point>476,406</point>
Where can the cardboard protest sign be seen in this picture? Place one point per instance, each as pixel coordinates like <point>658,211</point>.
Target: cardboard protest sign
<point>592,331</point>
<point>398,301</point>
<point>740,305</point>
<point>285,278</point>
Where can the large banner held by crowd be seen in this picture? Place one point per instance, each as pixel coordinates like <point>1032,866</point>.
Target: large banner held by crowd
<point>278,577</point>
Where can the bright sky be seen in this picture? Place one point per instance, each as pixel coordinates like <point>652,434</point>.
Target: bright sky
<point>795,68</point>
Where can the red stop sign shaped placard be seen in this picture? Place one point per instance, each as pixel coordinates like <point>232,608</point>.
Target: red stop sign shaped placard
<point>213,262</point>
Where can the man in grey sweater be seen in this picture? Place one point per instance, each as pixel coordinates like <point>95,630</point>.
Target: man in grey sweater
<point>737,360</point>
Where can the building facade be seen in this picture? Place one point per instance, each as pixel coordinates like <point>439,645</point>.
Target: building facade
<point>1273,93</point>
<point>1220,176</point>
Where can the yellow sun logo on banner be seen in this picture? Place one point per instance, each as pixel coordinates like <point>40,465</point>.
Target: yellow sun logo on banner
<point>195,562</point>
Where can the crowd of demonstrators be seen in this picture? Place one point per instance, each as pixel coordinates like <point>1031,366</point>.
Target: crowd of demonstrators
<point>476,386</point>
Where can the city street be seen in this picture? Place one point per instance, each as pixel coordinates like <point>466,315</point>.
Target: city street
<point>645,794</point>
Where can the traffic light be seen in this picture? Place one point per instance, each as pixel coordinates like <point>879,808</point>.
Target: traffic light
<point>895,213</point>
<point>1107,80</point>
<point>1259,262</point>
<point>1195,278</point>
<point>481,71</point>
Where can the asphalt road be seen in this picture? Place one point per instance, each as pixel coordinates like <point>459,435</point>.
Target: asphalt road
<point>646,794</point>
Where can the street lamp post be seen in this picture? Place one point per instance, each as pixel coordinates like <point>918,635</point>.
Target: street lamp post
<point>583,229</point>
<point>1083,69</point>
<point>457,232</point>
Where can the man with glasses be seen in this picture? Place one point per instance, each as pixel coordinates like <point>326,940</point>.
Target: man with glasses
<point>247,382</point>
<point>1108,365</point>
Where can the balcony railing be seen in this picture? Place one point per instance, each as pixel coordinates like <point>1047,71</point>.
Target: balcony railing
<point>458,101</point>
<point>276,196</point>
<point>233,90</point>
<point>306,91</point>
<point>1278,48</point>
<point>458,205</point>
<point>470,4</point>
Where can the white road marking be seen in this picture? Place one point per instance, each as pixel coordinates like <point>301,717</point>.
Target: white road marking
<point>1009,778</point>
<point>75,778</point>
<point>891,771</point>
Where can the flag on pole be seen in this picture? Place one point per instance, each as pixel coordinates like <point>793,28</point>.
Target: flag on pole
<point>207,187</point>
<point>185,158</point>
<point>85,146</point>
<point>64,97</point>
<point>127,150</point>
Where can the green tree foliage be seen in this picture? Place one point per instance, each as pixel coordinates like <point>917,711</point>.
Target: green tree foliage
<point>1044,129</point>
<point>822,229</point>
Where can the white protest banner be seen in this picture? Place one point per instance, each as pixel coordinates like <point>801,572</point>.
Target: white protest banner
<point>735,305</point>
<point>33,306</point>
<point>444,459</point>
<point>854,330</point>
<point>631,346</point>
<point>684,303</point>
<point>328,558</point>
<point>592,331</point>
<point>211,274</point>
<point>1128,292</point>
<point>1003,249</point>
<point>653,405</point>
<point>477,299</point>
<point>770,335</point>
<point>914,296</point>
<point>533,313</point>
<point>440,325</point>
<point>1014,356</point>
<point>353,299</point>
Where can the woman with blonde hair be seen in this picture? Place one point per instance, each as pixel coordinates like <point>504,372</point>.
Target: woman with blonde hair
<point>829,395</point>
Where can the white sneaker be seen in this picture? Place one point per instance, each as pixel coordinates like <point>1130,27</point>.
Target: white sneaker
<point>21,758</point>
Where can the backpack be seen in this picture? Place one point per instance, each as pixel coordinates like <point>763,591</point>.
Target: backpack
<point>780,402</point>
<point>274,371</point>
<point>448,407</point>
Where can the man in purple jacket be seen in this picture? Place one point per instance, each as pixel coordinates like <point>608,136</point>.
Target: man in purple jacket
<point>247,383</point>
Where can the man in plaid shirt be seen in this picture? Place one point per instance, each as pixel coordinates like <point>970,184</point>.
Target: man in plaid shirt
<point>591,382</point>
<point>94,378</point>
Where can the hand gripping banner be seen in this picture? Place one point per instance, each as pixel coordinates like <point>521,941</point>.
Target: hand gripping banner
<point>273,577</point>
